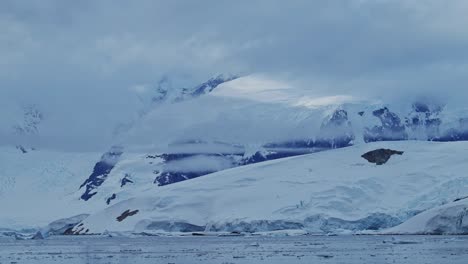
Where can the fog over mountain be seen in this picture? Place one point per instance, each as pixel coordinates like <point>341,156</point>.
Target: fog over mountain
<point>92,65</point>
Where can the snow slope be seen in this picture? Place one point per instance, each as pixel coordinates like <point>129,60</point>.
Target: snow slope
<point>451,218</point>
<point>321,192</point>
<point>39,186</point>
<point>248,120</point>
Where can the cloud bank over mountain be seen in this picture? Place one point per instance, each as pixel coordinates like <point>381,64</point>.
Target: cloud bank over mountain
<point>85,63</point>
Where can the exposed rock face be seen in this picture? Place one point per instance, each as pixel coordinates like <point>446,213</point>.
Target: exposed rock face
<point>175,168</point>
<point>461,198</point>
<point>125,180</point>
<point>100,172</point>
<point>459,133</point>
<point>38,236</point>
<point>170,177</point>
<point>380,156</point>
<point>210,85</point>
<point>166,92</point>
<point>335,132</point>
<point>22,149</point>
<point>112,197</point>
<point>64,226</point>
<point>424,121</point>
<point>391,128</point>
<point>126,214</point>
<point>176,164</point>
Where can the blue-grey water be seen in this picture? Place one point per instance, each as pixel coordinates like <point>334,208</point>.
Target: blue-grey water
<point>271,250</point>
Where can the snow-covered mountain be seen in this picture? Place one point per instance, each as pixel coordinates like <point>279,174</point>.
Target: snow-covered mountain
<point>226,122</point>
<point>323,192</point>
<point>165,91</point>
<point>233,126</point>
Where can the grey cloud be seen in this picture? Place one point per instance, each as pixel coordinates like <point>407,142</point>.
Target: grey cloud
<point>82,56</point>
<point>337,38</point>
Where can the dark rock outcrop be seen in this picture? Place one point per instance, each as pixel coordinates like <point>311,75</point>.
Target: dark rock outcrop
<point>424,121</point>
<point>170,177</point>
<point>391,129</point>
<point>461,198</point>
<point>109,200</point>
<point>126,214</point>
<point>176,173</point>
<point>335,132</point>
<point>100,172</point>
<point>294,144</point>
<point>210,85</point>
<point>380,156</point>
<point>64,226</point>
<point>22,149</point>
<point>38,236</point>
<point>171,174</point>
<point>125,180</point>
<point>458,133</point>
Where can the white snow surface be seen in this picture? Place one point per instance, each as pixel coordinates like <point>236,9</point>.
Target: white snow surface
<point>336,184</point>
<point>40,186</point>
<point>447,219</point>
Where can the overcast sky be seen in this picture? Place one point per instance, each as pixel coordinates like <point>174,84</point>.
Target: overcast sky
<point>75,55</point>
